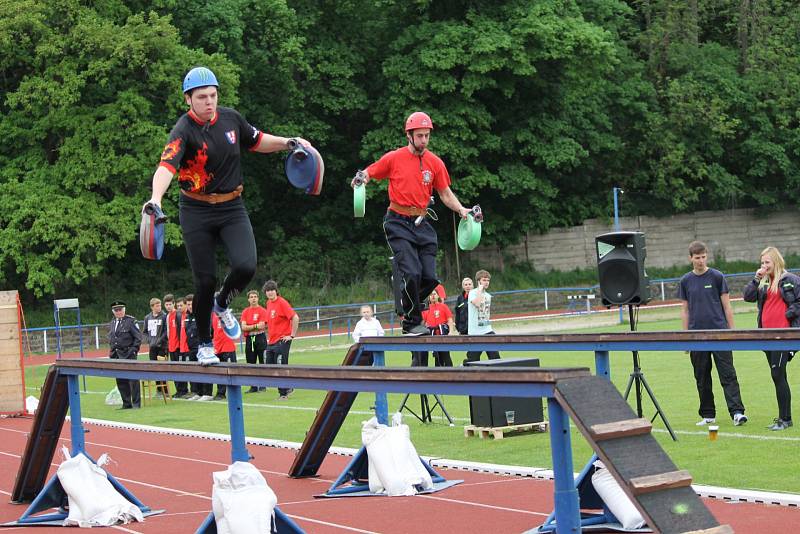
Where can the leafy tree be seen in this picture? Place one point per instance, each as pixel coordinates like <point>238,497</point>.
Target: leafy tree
<point>86,111</point>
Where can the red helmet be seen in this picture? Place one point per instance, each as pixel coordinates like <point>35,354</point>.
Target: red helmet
<point>418,119</point>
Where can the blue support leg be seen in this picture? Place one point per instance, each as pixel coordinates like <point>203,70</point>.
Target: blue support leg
<point>239,453</point>
<point>381,402</point>
<point>568,517</point>
<point>53,494</point>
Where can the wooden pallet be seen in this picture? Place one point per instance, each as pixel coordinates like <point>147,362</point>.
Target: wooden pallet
<point>498,432</point>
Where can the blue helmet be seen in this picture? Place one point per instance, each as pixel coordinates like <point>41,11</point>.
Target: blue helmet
<point>199,77</point>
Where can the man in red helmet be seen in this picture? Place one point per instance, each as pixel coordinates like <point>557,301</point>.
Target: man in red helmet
<point>413,173</point>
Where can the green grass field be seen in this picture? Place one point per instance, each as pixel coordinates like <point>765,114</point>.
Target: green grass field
<point>747,457</point>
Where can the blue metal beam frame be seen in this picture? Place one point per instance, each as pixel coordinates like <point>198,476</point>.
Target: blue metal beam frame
<point>566,514</point>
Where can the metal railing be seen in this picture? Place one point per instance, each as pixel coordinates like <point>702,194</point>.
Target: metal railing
<point>339,319</point>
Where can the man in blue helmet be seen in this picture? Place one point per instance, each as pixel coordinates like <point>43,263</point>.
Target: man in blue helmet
<point>204,150</point>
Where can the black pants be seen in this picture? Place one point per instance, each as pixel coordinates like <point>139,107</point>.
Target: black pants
<point>413,264</point>
<point>254,347</point>
<point>474,356</point>
<point>181,388</point>
<point>702,363</point>
<point>155,352</point>
<point>278,353</point>
<point>205,226</point>
<point>441,358</point>
<point>225,357</point>
<point>777,366</point>
<point>198,388</point>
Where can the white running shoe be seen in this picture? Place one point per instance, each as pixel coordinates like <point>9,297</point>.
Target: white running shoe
<point>230,325</point>
<point>206,398</point>
<point>193,397</point>
<point>205,354</point>
<point>706,421</point>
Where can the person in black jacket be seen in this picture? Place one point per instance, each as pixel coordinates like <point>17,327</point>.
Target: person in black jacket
<point>155,325</point>
<point>777,294</point>
<point>124,339</point>
<point>461,313</point>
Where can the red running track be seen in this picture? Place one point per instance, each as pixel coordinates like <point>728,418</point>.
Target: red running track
<point>174,473</point>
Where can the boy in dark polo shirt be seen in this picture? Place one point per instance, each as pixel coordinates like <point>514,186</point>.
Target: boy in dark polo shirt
<point>707,306</point>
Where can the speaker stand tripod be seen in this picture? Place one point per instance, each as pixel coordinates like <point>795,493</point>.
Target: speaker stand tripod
<point>425,408</point>
<point>637,378</point>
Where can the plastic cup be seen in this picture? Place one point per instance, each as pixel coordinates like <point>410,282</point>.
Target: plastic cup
<point>713,430</point>
<point>510,417</point>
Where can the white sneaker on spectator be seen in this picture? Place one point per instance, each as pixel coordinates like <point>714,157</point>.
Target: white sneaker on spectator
<point>193,397</point>
<point>205,354</point>
<point>706,421</point>
<point>739,419</point>
<point>229,323</point>
<point>206,398</point>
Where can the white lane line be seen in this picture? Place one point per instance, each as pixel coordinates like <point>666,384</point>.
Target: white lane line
<point>335,525</point>
<point>480,505</point>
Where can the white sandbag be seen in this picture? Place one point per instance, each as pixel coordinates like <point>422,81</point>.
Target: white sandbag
<point>93,501</point>
<point>31,404</point>
<point>242,501</point>
<point>394,465</point>
<point>114,398</point>
<point>615,498</point>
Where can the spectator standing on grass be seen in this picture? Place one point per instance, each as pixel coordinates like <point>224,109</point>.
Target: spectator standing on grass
<point>480,310</point>
<point>706,305</point>
<point>282,325</point>
<point>439,320</point>
<point>254,326</point>
<point>199,392</point>
<point>155,325</point>
<point>777,294</point>
<point>175,335</point>
<point>124,339</point>
<point>462,307</point>
<point>225,349</point>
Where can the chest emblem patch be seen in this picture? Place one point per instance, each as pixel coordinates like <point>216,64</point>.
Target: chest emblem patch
<point>231,135</point>
<point>426,177</point>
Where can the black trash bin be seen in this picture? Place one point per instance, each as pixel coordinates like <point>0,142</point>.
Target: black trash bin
<point>491,411</point>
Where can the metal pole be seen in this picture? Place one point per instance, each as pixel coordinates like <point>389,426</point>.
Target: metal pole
<point>616,191</point>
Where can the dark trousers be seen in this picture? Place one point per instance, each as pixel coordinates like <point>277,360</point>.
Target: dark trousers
<point>224,357</point>
<point>198,388</point>
<point>129,391</point>
<point>205,226</point>
<point>278,353</point>
<point>180,387</point>
<point>702,363</point>
<point>254,347</point>
<point>413,264</point>
<point>440,359</point>
<point>155,352</point>
<point>474,356</point>
<point>777,367</point>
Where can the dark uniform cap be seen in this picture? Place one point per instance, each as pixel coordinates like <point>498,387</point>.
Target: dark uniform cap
<point>117,304</point>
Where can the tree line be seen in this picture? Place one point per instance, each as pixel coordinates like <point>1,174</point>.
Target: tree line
<point>540,108</point>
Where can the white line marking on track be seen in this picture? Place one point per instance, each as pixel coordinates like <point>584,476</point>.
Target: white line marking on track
<point>481,505</point>
<point>335,525</point>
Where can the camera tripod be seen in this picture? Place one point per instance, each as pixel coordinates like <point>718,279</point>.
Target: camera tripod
<point>425,408</point>
<point>637,378</point>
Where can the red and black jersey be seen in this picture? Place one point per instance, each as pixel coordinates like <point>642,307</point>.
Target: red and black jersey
<point>206,156</point>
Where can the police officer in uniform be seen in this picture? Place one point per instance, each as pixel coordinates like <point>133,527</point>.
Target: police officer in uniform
<point>124,338</point>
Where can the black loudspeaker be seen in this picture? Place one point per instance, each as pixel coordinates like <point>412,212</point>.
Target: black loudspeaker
<point>494,411</point>
<point>620,268</point>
